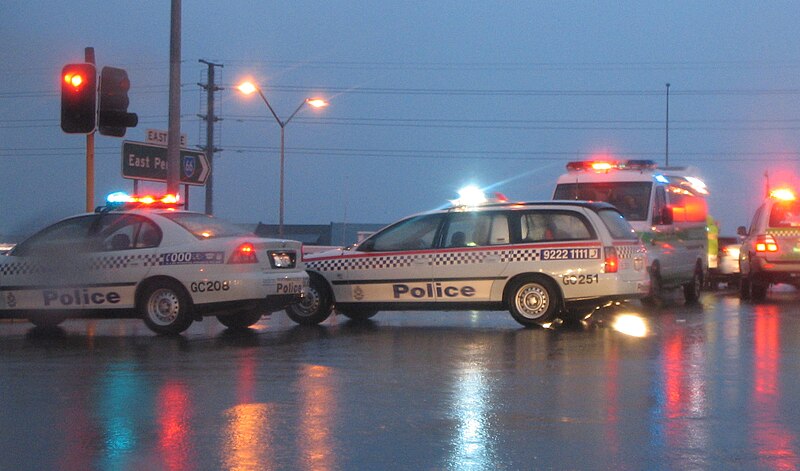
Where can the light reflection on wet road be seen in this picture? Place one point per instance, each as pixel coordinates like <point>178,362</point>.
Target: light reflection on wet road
<point>712,386</point>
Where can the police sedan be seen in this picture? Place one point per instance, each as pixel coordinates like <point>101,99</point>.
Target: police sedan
<point>539,260</point>
<point>142,257</point>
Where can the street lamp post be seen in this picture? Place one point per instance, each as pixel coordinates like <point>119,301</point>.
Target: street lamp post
<point>248,88</point>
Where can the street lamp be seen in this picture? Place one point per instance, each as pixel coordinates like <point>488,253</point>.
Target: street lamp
<point>248,88</point>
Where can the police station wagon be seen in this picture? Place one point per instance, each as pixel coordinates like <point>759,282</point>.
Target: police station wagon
<point>538,260</point>
<point>142,257</point>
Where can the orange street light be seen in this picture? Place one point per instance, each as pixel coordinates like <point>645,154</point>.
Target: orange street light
<point>248,88</point>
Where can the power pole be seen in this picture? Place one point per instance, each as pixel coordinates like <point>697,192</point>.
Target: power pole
<point>210,119</point>
<point>174,137</point>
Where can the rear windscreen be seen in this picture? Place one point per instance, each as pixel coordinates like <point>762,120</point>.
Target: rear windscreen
<point>785,214</point>
<point>617,225</point>
<point>631,198</point>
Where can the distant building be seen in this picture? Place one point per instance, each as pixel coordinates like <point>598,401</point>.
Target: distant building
<point>333,234</point>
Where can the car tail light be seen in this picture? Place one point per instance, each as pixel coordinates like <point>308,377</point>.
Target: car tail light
<point>766,243</point>
<point>282,259</point>
<point>611,263</point>
<point>245,253</point>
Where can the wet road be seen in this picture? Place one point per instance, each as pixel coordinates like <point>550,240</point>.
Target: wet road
<point>713,386</point>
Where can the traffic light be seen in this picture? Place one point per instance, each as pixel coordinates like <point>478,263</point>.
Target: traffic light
<point>78,98</point>
<point>113,116</point>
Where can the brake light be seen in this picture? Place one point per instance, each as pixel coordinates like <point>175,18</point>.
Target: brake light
<point>766,243</point>
<point>611,262</point>
<point>245,253</point>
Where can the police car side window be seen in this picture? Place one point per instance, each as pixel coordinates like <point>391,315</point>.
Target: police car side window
<point>149,235</point>
<point>416,233</point>
<point>66,236</point>
<point>542,226</point>
<point>125,232</point>
<point>470,229</point>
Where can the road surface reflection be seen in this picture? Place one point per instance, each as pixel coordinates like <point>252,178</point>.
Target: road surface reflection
<point>680,387</point>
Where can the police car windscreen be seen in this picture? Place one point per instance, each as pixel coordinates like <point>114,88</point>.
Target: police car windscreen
<point>631,198</point>
<point>204,226</point>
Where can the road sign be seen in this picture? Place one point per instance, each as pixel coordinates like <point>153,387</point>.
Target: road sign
<point>159,137</point>
<point>141,161</point>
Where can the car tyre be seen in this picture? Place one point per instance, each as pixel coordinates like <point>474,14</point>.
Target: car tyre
<point>533,300</point>
<point>356,313</point>
<point>758,290</point>
<point>165,307</point>
<point>46,319</point>
<point>653,297</point>
<point>691,290</point>
<point>315,306</point>
<point>240,320</point>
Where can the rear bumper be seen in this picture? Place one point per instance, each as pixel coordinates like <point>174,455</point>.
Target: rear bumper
<point>776,271</point>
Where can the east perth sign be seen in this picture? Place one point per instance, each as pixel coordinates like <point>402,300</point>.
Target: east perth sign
<point>142,161</point>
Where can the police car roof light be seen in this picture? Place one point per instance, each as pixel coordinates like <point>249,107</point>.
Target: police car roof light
<point>122,200</point>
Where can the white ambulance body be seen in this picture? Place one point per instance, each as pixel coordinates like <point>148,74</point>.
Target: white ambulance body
<point>666,206</point>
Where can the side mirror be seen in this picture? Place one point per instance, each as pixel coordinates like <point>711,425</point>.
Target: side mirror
<point>742,231</point>
<point>663,217</point>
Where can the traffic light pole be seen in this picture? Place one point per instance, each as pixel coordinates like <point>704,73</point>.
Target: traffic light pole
<point>89,57</point>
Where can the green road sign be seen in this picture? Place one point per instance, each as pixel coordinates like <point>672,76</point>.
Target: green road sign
<point>142,161</point>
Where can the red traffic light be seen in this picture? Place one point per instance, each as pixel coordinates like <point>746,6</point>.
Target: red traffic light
<point>78,98</point>
<point>75,79</point>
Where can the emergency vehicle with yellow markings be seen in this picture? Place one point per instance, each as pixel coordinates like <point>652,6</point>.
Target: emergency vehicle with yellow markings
<point>666,206</point>
<point>143,257</point>
<point>539,260</point>
<point>770,251</point>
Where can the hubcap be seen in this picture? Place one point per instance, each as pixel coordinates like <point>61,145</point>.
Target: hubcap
<point>309,304</point>
<point>163,307</point>
<point>532,301</point>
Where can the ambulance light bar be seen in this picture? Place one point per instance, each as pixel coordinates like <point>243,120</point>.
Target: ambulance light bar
<point>606,165</point>
<point>783,194</point>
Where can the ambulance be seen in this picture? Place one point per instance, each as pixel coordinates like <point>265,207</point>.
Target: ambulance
<point>667,208</point>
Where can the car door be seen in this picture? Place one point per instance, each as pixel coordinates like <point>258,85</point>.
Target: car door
<point>394,265</point>
<point>43,271</point>
<point>123,251</point>
<point>468,262</point>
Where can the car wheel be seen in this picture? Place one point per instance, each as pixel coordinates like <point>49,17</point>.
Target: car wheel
<point>653,297</point>
<point>46,319</point>
<point>315,306</point>
<point>533,301</point>
<point>691,290</point>
<point>240,320</point>
<point>357,314</point>
<point>165,307</point>
<point>744,288</point>
<point>758,290</point>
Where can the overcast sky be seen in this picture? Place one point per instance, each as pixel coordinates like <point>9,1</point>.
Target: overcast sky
<point>425,97</point>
